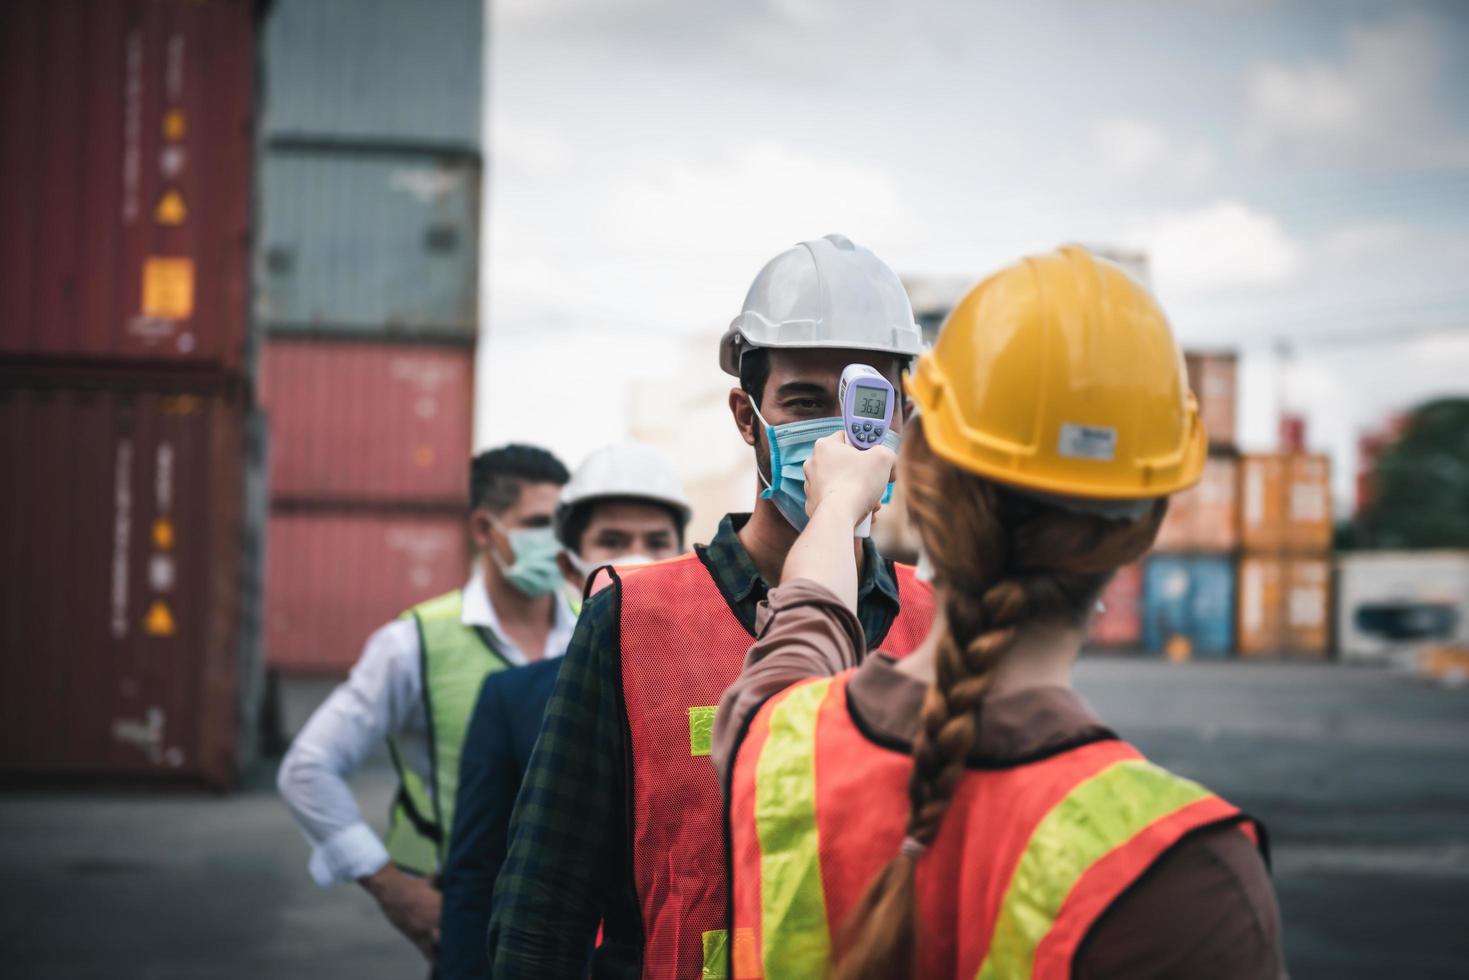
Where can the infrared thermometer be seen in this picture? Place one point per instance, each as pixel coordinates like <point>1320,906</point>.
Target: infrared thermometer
<point>867,413</point>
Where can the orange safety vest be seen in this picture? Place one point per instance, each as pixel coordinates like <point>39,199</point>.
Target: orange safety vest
<point>1026,861</point>
<point>681,646</point>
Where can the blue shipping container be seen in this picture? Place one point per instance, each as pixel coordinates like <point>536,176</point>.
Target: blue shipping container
<point>393,71</point>
<point>1189,599</point>
<point>376,243</point>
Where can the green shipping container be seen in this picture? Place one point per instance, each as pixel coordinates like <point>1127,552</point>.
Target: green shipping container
<point>381,243</point>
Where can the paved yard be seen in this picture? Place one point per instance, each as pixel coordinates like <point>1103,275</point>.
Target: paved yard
<point>1363,778</point>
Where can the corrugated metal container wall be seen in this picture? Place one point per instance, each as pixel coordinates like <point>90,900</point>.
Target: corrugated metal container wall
<point>1262,501</point>
<point>1120,622</point>
<point>125,129</point>
<point>1308,606</point>
<point>369,243</point>
<point>1260,604</point>
<point>1308,517</point>
<point>120,577</point>
<point>1284,605</point>
<point>363,422</point>
<point>1214,379</point>
<point>1188,605</point>
<point>1205,518</point>
<point>334,578</point>
<point>402,70</point>
<point>1390,602</point>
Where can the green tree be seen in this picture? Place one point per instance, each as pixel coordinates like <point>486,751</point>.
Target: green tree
<point>1421,485</point>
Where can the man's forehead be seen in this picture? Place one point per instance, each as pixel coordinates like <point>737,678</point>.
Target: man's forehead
<point>827,361</point>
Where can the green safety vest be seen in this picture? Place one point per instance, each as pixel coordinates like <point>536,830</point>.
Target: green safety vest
<point>454,659</point>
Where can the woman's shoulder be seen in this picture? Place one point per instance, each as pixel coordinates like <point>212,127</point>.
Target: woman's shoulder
<point>1206,908</point>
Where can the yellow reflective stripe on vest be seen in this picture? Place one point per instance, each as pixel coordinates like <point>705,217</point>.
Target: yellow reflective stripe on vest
<point>1098,816</point>
<point>793,929</point>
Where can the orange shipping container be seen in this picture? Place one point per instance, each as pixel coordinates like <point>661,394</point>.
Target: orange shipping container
<point>1308,504</point>
<point>1205,518</point>
<point>1120,621</point>
<point>1284,605</point>
<point>1214,380</point>
<point>1262,502</point>
<point>1285,503</point>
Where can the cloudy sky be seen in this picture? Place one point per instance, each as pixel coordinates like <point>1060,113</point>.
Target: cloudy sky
<point>1297,172</point>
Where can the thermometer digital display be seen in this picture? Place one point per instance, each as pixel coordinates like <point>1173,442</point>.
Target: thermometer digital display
<point>867,405</point>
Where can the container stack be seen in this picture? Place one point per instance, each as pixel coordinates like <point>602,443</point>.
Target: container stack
<point>129,557</point>
<point>367,289</point>
<point>1285,568</point>
<point>1189,580</point>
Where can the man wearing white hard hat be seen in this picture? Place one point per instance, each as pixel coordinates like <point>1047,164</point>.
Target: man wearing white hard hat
<point>619,819</point>
<point>623,506</point>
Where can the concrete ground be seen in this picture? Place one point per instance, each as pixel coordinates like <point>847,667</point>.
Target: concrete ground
<point>1362,777</point>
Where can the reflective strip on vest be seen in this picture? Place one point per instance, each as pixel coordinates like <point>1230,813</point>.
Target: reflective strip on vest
<point>1068,835</point>
<point>1096,817</point>
<point>792,905</point>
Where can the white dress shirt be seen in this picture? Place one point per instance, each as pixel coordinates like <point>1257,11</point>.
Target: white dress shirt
<point>383,696</point>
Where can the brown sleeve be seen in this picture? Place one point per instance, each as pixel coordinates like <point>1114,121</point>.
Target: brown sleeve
<point>1206,909</point>
<point>803,630</point>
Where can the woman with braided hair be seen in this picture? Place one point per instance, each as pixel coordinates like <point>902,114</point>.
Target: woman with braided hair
<point>961,812</point>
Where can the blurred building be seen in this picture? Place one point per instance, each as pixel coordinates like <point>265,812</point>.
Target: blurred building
<point>132,501</point>
<point>366,288</point>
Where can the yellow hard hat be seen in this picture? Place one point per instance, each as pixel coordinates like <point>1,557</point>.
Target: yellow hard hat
<point>1060,375</point>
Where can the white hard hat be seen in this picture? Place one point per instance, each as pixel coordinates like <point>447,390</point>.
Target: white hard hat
<point>629,469</point>
<point>823,293</point>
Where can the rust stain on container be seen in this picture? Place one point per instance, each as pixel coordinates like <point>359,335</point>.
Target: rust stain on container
<point>1120,621</point>
<point>334,578</point>
<point>1214,379</point>
<point>121,652</point>
<point>1205,518</point>
<point>90,89</point>
<point>369,422</point>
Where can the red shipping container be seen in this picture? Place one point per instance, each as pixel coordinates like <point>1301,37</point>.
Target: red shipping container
<point>126,132</point>
<point>357,422</point>
<point>1120,621</point>
<point>121,585</point>
<point>333,578</point>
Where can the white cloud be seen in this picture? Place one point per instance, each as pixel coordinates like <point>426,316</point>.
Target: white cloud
<point>1137,149</point>
<point>1380,102</point>
<point>1211,249</point>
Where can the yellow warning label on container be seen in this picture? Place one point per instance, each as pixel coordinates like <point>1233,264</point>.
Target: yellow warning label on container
<point>171,209</point>
<point>423,457</point>
<point>163,534</point>
<point>173,124</point>
<point>159,621</point>
<point>168,287</point>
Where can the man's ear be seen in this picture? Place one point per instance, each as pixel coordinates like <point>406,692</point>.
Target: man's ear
<point>744,414</point>
<point>480,528</point>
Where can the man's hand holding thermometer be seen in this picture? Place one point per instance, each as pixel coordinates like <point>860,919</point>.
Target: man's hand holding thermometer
<point>855,479</point>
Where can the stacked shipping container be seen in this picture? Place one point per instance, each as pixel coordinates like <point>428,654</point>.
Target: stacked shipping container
<point>367,275</point>
<point>1285,569</point>
<point>1188,582</point>
<point>125,583</point>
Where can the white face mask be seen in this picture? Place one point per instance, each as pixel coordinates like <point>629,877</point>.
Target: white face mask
<point>622,561</point>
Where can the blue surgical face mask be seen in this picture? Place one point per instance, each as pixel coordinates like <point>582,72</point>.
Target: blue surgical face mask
<point>534,571</point>
<point>791,445</point>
